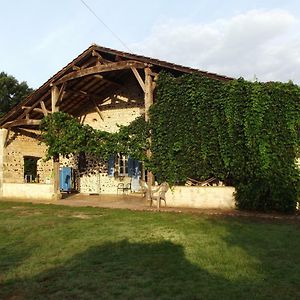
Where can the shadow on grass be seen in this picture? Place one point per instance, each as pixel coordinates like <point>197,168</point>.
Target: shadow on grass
<point>11,257</point>
<point>125,270</point>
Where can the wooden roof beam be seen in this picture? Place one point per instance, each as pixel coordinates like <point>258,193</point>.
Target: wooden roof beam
<point>139,78</point>
<point>26,112</point>
<point>115,66</point>
<point>44,109</point>
<point>101,78</point>
<point>36,109</point>
<point>83,93</point>
<point>99,57</point>
<point>21,122</point>
<point>61,94</point>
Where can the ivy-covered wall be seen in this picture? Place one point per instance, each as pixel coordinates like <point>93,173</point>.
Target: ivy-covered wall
<point>241,132</point>
<point>246,134</point>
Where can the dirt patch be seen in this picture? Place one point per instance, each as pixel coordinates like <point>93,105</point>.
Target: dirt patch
<point>27,211</point>
<point>19,207</point>
<point>82,216</point>
<point>79,215</point>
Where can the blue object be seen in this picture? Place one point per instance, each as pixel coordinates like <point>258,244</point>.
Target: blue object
<point>111,166</point>
<point>65,179</point>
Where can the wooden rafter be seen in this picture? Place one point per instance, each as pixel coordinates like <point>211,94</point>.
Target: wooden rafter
<point>115,66</point>
<point>82,93</point>
<point>61,94</point>
<point>100,59</point>
<point>34,105</point>
<point>21,122</point>
<point>97,108</point>
<point>139,78</point>
<point>36,109</point>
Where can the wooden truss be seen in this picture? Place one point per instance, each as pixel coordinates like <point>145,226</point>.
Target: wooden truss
<point>61,88</point>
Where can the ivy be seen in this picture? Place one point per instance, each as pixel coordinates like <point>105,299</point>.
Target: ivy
<point>246,134</point>
<point>64,135</point>
<point>241,132</point>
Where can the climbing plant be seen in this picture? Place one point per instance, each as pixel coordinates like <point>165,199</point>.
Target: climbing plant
<point>187,123</point>
<point>64,135</point>
<point>243,132</point>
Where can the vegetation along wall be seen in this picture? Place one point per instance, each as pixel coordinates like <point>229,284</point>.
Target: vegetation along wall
<point>245,134</point>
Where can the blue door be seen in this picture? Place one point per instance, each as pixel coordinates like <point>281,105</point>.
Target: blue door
<point>65,176</point>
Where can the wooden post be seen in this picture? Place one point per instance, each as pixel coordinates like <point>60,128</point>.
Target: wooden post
<point>54,98</point>
<point>148,103</point>
<point>3,138</point>
<point>56,184</point>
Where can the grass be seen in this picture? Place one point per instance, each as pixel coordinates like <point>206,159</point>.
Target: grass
<point>56,252</point>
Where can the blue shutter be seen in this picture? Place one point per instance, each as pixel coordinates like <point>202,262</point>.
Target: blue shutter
<point>137,169</point>
<point>111,166</point>
<point>130,166</point>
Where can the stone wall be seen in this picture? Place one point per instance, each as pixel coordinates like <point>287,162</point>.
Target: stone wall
<point>3,133</point>
<point>18,146</point>
<point>120,108</point>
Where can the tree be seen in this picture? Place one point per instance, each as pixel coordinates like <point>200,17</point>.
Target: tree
<point>11,92</point>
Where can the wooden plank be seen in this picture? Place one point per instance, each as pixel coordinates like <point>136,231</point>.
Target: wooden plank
<point>139,78</point>
<point>114,66</point>
<point>21,122</point>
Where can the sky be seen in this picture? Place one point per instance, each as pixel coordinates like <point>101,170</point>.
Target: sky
<point>257,40</point>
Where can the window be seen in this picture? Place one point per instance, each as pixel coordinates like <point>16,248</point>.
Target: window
<point>30,169</point>
<point>122,165</point>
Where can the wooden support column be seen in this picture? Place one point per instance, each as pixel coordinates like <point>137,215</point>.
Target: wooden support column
<point>54,98</point>
<point>3,137</point>
<point>148,102</point>
<point>56,183</point>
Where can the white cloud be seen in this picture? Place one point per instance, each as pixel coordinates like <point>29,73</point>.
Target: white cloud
<point>261,43</point>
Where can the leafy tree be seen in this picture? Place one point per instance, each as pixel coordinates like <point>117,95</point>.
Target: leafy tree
<point>11,92</point>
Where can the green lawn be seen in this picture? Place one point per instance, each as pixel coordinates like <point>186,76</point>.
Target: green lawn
<point>56,252</point>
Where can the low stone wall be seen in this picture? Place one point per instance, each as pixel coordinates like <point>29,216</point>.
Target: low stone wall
<point>28,191</point>
<point>211,197</point>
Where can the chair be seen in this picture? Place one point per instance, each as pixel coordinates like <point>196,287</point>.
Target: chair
<point>159,194</point>
<point>124,188</point>
<point>127,188</point>
<point>120,186</point>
